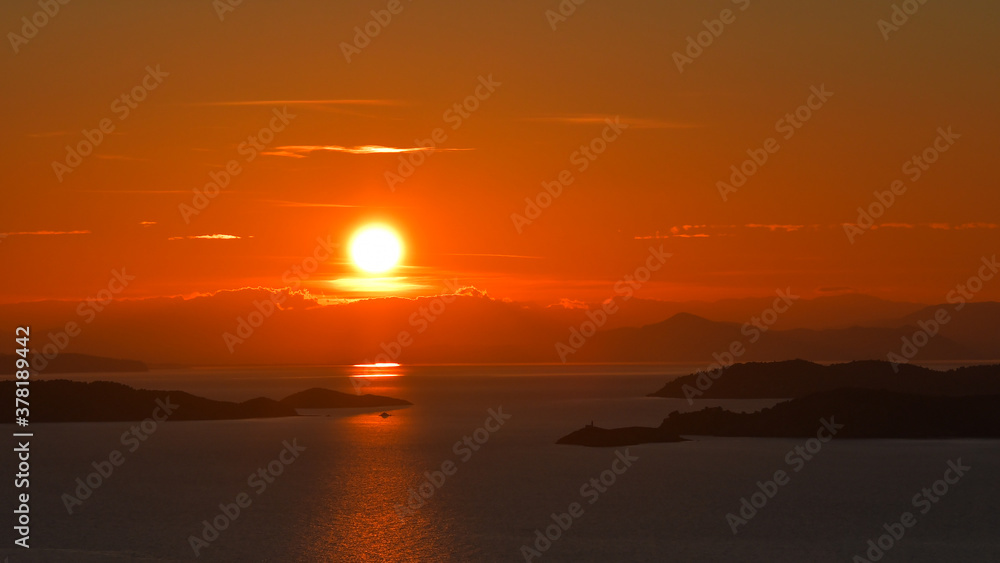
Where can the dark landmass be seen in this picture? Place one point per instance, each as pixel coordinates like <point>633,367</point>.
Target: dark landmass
<point>854,413</point>
<point>597,437</point>
<point>319,398</point>
<point>61,400</point>
<point>797,378</point>
<point>864,413</point>
<point>75,363</point>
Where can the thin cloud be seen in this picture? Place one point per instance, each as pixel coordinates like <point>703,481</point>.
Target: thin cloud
<point>134,191</point>
<point>775,227</point>
<point>934,226</point>
<point>964,226</point>
<point>209,237</point>
<point>839,289</point>
<point>893,226</point>
<point>679,231</point>
<point>302,151</point>
<point>705,231</point>
<point>657,235</point>
<point>120,157</point>
<point>499,256</point>
<point>635,122</point>
<point>567,303</point>
<point>20,233</point>
<point>281,203</point>
<point>147,223</point>
<point>302,102</point>
<point>376,285</point>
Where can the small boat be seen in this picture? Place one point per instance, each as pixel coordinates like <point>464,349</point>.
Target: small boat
<point>385,415</point>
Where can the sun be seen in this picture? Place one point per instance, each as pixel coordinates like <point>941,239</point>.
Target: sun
<point>376,249</point>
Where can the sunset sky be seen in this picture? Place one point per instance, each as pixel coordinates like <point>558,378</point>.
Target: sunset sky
<point>543,94</point>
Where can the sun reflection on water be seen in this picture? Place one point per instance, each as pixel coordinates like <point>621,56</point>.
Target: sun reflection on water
<point>362,516</point>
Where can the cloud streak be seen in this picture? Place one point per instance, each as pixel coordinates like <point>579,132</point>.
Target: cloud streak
<point>20,233</point>
<point>373,102</point>
<point>208,237</point>
<point>597,119</point>
<point>282,203</point>
<point>706,231</point>
<point>498,256</point>
<point>302,151</point>
<point>937,226</point>
<point>158,192</point>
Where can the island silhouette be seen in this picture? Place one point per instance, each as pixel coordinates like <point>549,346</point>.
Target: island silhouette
<point>62,400</point>
<point>796,378</point>
<point>869,399</point>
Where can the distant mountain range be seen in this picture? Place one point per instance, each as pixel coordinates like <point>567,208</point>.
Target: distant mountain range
<point>76,363</point>
<point>834,311</point>
<point>231,327</point>
<point>971,334</point>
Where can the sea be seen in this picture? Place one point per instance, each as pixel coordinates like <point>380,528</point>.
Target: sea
<point>471,472</point>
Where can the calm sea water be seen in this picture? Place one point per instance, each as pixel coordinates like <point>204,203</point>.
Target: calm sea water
<point>336,501</point>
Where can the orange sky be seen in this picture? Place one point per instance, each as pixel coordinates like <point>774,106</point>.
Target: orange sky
<point>551,92</point>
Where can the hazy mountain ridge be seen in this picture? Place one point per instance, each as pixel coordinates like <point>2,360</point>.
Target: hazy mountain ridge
<point>685,337</point>
<point>69,362</point>
<point>475,328</point>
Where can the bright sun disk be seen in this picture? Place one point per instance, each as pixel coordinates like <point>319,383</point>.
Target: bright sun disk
<point>376,249</point>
